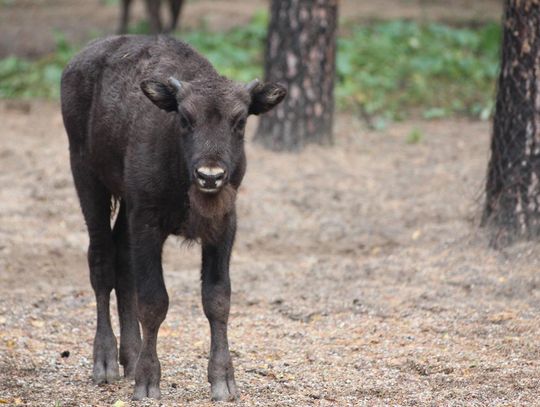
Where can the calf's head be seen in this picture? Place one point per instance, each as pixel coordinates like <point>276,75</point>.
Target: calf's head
<point>211,118</point>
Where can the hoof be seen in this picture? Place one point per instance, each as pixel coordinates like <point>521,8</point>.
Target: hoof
<point>147,375</point>
<point>146,390</point>
<point>224,390</point>
<point>105,371</point>
<point>106,368</point>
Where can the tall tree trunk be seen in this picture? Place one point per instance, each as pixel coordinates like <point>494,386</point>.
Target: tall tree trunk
<point>513,181</point>
<point>301,53</point>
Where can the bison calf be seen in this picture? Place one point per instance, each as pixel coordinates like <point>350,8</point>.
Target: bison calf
<point>153,125</point>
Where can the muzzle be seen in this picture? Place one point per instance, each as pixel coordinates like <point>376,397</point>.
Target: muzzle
<point>210,179</point>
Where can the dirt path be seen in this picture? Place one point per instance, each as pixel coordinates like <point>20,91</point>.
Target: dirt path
<point>27,27</point>
<point>359,278</point>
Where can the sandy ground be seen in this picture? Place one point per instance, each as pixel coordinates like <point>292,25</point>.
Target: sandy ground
<point>360,277</point>
<point>27,27</point>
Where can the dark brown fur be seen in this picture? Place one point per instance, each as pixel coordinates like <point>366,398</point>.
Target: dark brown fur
<point>208,213</point>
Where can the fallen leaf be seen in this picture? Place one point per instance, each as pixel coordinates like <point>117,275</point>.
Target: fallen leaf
<point>376,250</point>
<point>10,343</point>
<point>38,323</point>
<point>501,317</point>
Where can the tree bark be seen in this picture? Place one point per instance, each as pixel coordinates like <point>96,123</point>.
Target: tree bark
<point>300,53</point>
<point>512,206</point>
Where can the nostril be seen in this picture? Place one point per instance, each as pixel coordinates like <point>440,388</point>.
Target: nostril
<point>199,174</point>
<point>209,177</point>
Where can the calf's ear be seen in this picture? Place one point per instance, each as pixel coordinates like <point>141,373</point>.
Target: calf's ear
<point>264,96</point>
<point>165,95</point>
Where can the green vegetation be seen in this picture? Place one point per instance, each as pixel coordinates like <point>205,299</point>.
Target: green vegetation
<point>386,70</point>
<point>390,68</point>
<point>414,137</point>
<point>20,78</point>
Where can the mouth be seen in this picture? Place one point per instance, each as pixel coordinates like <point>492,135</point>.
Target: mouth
<point>214,187</point>
<point>208,190</point>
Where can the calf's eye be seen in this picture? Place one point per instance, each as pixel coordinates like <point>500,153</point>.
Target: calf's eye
<point>240,124</point>
<point>185,122</point>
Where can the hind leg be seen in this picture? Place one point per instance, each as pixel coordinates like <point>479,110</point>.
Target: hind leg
<point>95,204</point>
<point>130,334</point>
<point>146,243</point>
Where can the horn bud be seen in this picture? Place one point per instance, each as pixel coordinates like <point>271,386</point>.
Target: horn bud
<point>252,85</point>
<point>182,89</point>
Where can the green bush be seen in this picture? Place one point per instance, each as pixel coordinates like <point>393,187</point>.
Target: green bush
<point>21,78</point>
<point>238,53</point>
<point>387,69</point>
<point>393,67</point>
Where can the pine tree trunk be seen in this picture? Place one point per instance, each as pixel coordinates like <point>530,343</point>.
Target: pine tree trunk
<point>513,188</point>
<point>300,53</point>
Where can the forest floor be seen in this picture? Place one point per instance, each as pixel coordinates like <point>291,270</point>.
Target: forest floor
<point>360,277</point>
<point>360,274</point>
